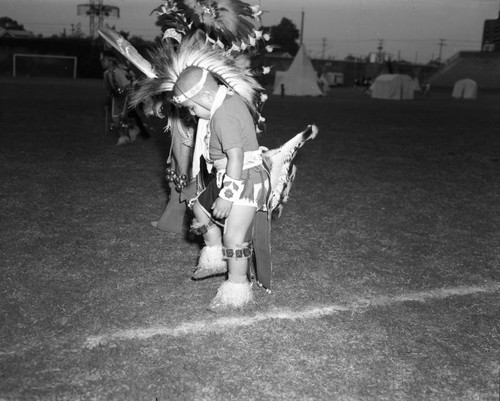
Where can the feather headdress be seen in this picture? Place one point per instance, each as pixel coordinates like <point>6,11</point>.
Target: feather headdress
<point>169,62</point>
<point>230,24</point>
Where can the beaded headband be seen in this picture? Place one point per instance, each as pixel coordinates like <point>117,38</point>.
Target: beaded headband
<point>193,91</point>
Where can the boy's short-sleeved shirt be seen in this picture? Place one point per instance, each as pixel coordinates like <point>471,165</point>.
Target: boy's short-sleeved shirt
<point>232,126</point>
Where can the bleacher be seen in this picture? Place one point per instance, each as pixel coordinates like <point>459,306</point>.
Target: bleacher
<point>482,67</point>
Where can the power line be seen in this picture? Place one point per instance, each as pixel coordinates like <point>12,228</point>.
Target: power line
<point>390,40</point>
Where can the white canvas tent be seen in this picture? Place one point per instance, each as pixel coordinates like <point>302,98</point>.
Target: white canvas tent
<point>465,89</point>
<point>393,86</point>
<point>300,79</point>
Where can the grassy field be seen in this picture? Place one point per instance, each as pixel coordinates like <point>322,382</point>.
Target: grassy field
<point>386,260</point>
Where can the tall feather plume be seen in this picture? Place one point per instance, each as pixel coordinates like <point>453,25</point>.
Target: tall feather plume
<point>127,50</point>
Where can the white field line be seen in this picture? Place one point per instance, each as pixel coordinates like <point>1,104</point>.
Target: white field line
<point>219,324</point>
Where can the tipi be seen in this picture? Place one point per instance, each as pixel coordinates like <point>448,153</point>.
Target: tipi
<point>300,79</point>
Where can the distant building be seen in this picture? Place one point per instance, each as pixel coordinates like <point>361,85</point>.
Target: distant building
<point>14,33</point>
<point>491,35</point>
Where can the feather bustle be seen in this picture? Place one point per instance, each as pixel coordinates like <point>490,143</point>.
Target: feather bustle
<point>225,22</point>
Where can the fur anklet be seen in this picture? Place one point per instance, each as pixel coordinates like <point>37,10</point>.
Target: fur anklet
<point>231,296</point>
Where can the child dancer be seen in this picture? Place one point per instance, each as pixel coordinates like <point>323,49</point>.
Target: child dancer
<point>204,65</point>
<point>239,187</point>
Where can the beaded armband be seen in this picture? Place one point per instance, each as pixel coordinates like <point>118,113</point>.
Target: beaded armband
<point>231,188</point>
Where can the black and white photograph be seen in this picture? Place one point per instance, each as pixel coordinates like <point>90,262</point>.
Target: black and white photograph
<point>239,200</point>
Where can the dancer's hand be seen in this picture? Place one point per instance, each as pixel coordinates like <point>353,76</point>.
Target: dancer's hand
<point>221,208</point>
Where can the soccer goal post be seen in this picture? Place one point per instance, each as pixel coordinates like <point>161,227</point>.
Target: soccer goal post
<point>43,65</point>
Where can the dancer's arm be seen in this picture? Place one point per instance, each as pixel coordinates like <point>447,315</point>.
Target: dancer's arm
<point>222,207</point>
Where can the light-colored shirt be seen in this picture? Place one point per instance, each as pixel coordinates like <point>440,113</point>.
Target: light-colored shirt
<point>232,126</point>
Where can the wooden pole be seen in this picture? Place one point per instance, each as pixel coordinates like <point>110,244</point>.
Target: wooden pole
<point>302,29</point>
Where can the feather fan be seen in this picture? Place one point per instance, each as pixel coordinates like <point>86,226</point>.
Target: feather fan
<point>282,171</point>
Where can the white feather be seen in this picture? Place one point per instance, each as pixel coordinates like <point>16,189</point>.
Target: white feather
<point>128,51</point>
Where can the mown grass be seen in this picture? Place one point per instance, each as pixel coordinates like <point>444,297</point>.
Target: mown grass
<point>391,198</point>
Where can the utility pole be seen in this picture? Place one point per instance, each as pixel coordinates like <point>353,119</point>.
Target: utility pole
<point>380,49</point>
<point>441,44</point>
<point>323,48</point>
<point>302,29</point>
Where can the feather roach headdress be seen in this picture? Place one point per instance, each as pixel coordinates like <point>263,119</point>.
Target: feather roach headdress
<point>169,61</point>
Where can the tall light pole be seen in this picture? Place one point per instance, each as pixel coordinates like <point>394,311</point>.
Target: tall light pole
<point>95,10</point>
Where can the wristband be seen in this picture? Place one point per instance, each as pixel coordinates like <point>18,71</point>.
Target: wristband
<point>231,188</point>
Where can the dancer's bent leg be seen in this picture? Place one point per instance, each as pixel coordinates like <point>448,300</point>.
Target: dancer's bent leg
<point>236,292</point>
<point>210,262</point>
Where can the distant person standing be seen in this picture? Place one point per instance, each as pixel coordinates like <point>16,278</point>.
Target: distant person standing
<point>323,84</point>
<point>118,82</point>
<point>427,88</point>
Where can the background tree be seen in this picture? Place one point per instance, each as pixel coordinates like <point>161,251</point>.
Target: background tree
<point>76,31</point>
<point>285,36</point>
<point>9,23</point>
